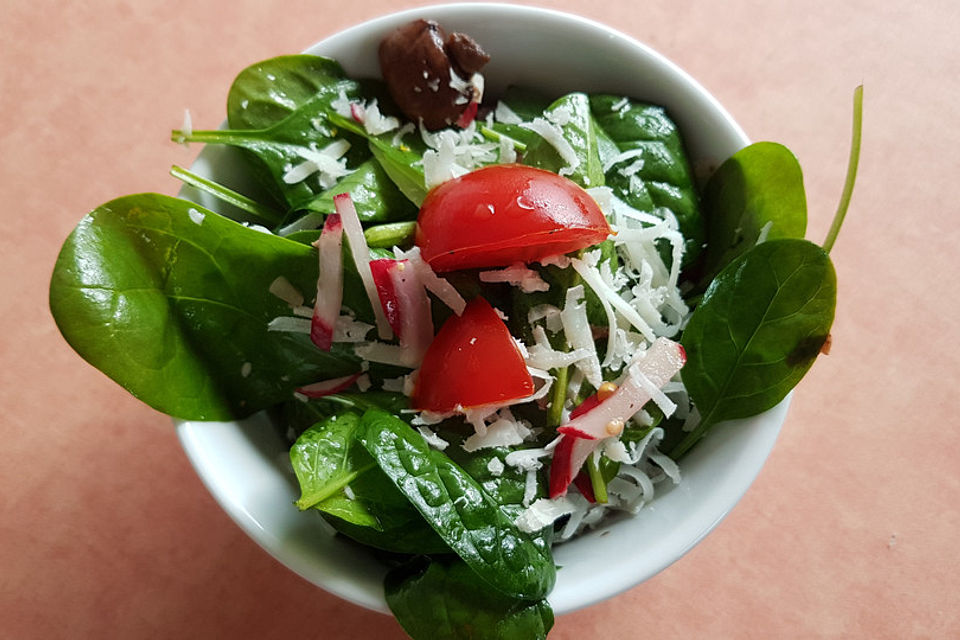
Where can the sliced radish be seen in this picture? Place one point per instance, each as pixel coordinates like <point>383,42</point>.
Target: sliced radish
<point>380,270</point>
<point>440,287</point>
<point>569,430</point>
<point>656,365</point>
<point>361,257</point>
<point>357,112</point>
<point>327,387</point>
<point>406,305</point>
<point>585,485</point>
<point>329,283</point>
<point>468,114</point>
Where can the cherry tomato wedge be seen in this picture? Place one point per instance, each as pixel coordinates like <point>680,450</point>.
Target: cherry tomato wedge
<point>502,214</point>
<point>473,361</point>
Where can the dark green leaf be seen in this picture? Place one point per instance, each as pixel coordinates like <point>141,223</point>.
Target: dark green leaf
<point>527,105</point>
<point>325,459</point>
<point>458,509</point>
<point>757,331</point>
<point>579,130</point>
<point>374,195</point>
<point>403,163</point>
<point>338,477</point>
<point>664,180</point>
<point>758,186</point>
<point>289,143</point>
<point>506,487</point>
<point>176,310</point>
<point>265,93</point>
<point>262,213</point>
<point>447,601</point>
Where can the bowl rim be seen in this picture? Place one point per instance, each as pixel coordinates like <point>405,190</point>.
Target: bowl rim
<point>758,434</point>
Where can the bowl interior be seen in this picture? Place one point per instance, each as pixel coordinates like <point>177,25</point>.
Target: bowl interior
<point>243,464</point>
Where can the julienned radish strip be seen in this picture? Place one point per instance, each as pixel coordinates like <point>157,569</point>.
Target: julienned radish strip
<point>583,434</point>
<point>326,310</point>
<point>361,258</point>
<point>406,305</point>
<point>440,287</point>
<point>328,387</point>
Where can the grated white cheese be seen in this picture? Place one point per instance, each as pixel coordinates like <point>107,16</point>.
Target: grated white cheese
<point>246,369</point>
<point>432,439</point>
<point>363,382</point>
<point>195,216</point>
<point>436,285</point>
<point>283,289</point>
<point>517,275</point>
<point>622,157</point>
<point>495,467</point>
<point>530,487</point>
<point>504,431</point>
<point>328,163</point>
<point>394,385</point>
<point>554,137</point>
<point>508,152</point>
<point>543,513</point>
<point>665,404</point>
<point>289,324</point>
<point>503,113</point>
<point>576,328</point>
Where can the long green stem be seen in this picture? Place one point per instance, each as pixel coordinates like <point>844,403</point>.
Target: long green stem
<point>596,481</point>
<point>225,194</point>
<point>390,234</point>
<point>852,165</point>
<point>558,395</point>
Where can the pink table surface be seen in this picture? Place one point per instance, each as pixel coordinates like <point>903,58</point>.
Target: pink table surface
<point>851,528</point>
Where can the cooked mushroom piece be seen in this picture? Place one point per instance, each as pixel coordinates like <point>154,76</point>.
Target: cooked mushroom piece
<point>427,72</point>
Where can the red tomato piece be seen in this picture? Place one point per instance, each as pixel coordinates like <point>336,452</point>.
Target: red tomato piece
<point>473,361</point>
<point>502,214</point>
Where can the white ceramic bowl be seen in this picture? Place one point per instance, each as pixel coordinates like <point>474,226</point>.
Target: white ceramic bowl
<point>243,463</point>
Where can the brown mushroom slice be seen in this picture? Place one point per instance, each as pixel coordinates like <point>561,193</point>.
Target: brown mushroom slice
<point>418,62</point>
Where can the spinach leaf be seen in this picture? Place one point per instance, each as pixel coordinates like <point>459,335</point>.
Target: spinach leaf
<point>172,302</point>
<point>374,195</point>
<point>403,163</point>
<point>657,174</point>
<point>506,487</point>
<point>265,93</point>
<point>262,213</point>
<point>571,114</point>
<point>760,186</point>
<point>327,459</point>
<point>757,331</point>
<point>289,143</point>
<point>527,105</point>
<point>458,509</point>
<point>445,600</point>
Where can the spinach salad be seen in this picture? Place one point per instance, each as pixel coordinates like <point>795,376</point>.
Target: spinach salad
<point>460,328</point>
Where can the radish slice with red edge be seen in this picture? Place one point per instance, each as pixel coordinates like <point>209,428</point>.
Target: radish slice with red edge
<point>585,486</point>
<point>468,115</point>
<point>380,270</point>
<point>357,112</point>
<point>406,305</point>
<point>361,258</point>
<point>326,310</point>
<point>658,365</point>
<point>328,387</point>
